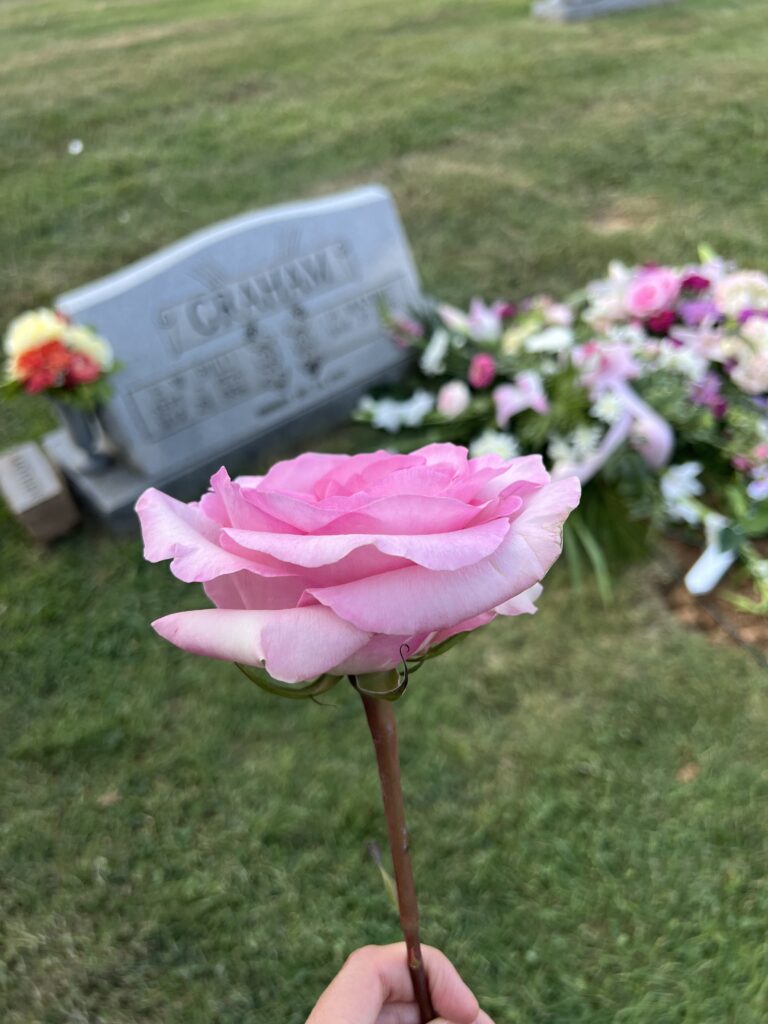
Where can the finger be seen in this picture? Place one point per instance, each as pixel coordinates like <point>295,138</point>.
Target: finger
<point>482,1018</point>
<point>408,1013</point>
<point>451,997</point>
<point>399,1013</point>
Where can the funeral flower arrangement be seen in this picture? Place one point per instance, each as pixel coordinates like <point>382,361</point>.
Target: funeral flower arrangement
<point>649,385</point>
<point>47,353</point>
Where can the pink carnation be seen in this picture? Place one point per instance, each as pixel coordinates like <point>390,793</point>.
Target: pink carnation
<point>482,371</point>
<point>652,291</point>
<point>338,564</point>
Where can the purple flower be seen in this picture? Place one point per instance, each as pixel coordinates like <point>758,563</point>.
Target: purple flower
<point>758,489</point>
<point>747,314</point>
<point>695,311</point>
<point>707,393</point>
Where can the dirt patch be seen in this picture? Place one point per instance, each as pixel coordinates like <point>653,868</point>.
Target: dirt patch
<point>714,613</point>
<point>623,215</point>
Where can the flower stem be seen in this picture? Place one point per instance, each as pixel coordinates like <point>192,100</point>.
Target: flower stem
<point>381,721</point>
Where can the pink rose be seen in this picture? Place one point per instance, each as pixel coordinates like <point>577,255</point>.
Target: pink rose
<point>453,399</point>
<point>482,371</point>
<point>337,563</point>
<point>652,291</point>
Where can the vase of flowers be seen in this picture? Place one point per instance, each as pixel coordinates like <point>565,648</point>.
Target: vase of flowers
<point>70,363</point>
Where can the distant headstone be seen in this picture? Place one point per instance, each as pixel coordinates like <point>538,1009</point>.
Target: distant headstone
<point>581,10</point>
<point>256,330</point>
<point>35,493</point>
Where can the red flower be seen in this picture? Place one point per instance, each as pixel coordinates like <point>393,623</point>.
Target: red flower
<point>695,283</point>
<point>82,370</point>
<point>661,322</point>
<point>44,367</point>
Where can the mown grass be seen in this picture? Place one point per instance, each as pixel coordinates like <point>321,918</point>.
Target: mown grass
<point>173,844</point>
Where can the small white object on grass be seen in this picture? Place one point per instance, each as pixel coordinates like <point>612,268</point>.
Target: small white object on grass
<point>75,147</point>
<point>714,563</point>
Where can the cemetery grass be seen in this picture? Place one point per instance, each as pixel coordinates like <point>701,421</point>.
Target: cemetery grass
<point>587,788</point>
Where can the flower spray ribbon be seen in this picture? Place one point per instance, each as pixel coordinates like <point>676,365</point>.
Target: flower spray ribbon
<point>606,369</point>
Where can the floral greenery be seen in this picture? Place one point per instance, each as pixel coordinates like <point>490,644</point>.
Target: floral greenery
<point>649,384</point>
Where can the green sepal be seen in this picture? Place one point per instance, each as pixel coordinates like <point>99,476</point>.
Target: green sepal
<point>293,691</point>
<point>437,650</point>
<point>383,685</point>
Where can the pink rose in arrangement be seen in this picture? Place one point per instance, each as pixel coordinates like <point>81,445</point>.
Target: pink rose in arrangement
<point>652,291</point>
<point>338,564</point>
<point>482,371</point>
<point>453,399</point>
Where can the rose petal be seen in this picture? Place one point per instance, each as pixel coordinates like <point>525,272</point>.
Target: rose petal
<point>405,513</point>
<point>414,599</point>
<point>434,551</point>
<point>294,644</point>
<point>181,532</point>
<point>240,511</point>
<point>380,654</point>
<point>522,604</point>
<point>247,590</point>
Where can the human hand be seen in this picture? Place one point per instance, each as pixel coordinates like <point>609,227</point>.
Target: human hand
<point>374,987</point>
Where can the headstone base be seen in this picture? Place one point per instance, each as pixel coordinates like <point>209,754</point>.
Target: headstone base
<point>581,10</point>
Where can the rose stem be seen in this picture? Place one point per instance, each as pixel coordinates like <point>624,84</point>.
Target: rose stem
<point>381,722</point>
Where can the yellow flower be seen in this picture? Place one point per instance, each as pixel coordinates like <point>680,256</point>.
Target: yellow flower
<point>32,329</point>
<point>83,339</point>
<point>513,338</point>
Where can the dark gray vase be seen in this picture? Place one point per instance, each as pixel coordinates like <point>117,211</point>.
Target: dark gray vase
<point>86,434</point>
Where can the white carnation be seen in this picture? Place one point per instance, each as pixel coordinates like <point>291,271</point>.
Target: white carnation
<point>494,442</point>
<point>679,484</point>
<point>391,415</point>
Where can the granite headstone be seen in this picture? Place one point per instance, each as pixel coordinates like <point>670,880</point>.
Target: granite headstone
<point>257,330</point>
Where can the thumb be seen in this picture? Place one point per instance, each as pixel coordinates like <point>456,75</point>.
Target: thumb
<point>482,1018</point>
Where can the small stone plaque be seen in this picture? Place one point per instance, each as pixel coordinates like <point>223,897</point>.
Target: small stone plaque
<point>35,493</point>
<point>249,327</point>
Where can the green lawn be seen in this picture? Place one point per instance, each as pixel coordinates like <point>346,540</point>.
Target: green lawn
<point>175,845</point>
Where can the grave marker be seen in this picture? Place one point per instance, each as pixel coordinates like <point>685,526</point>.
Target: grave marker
<point>260,328</point>
<point>35,494</point>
